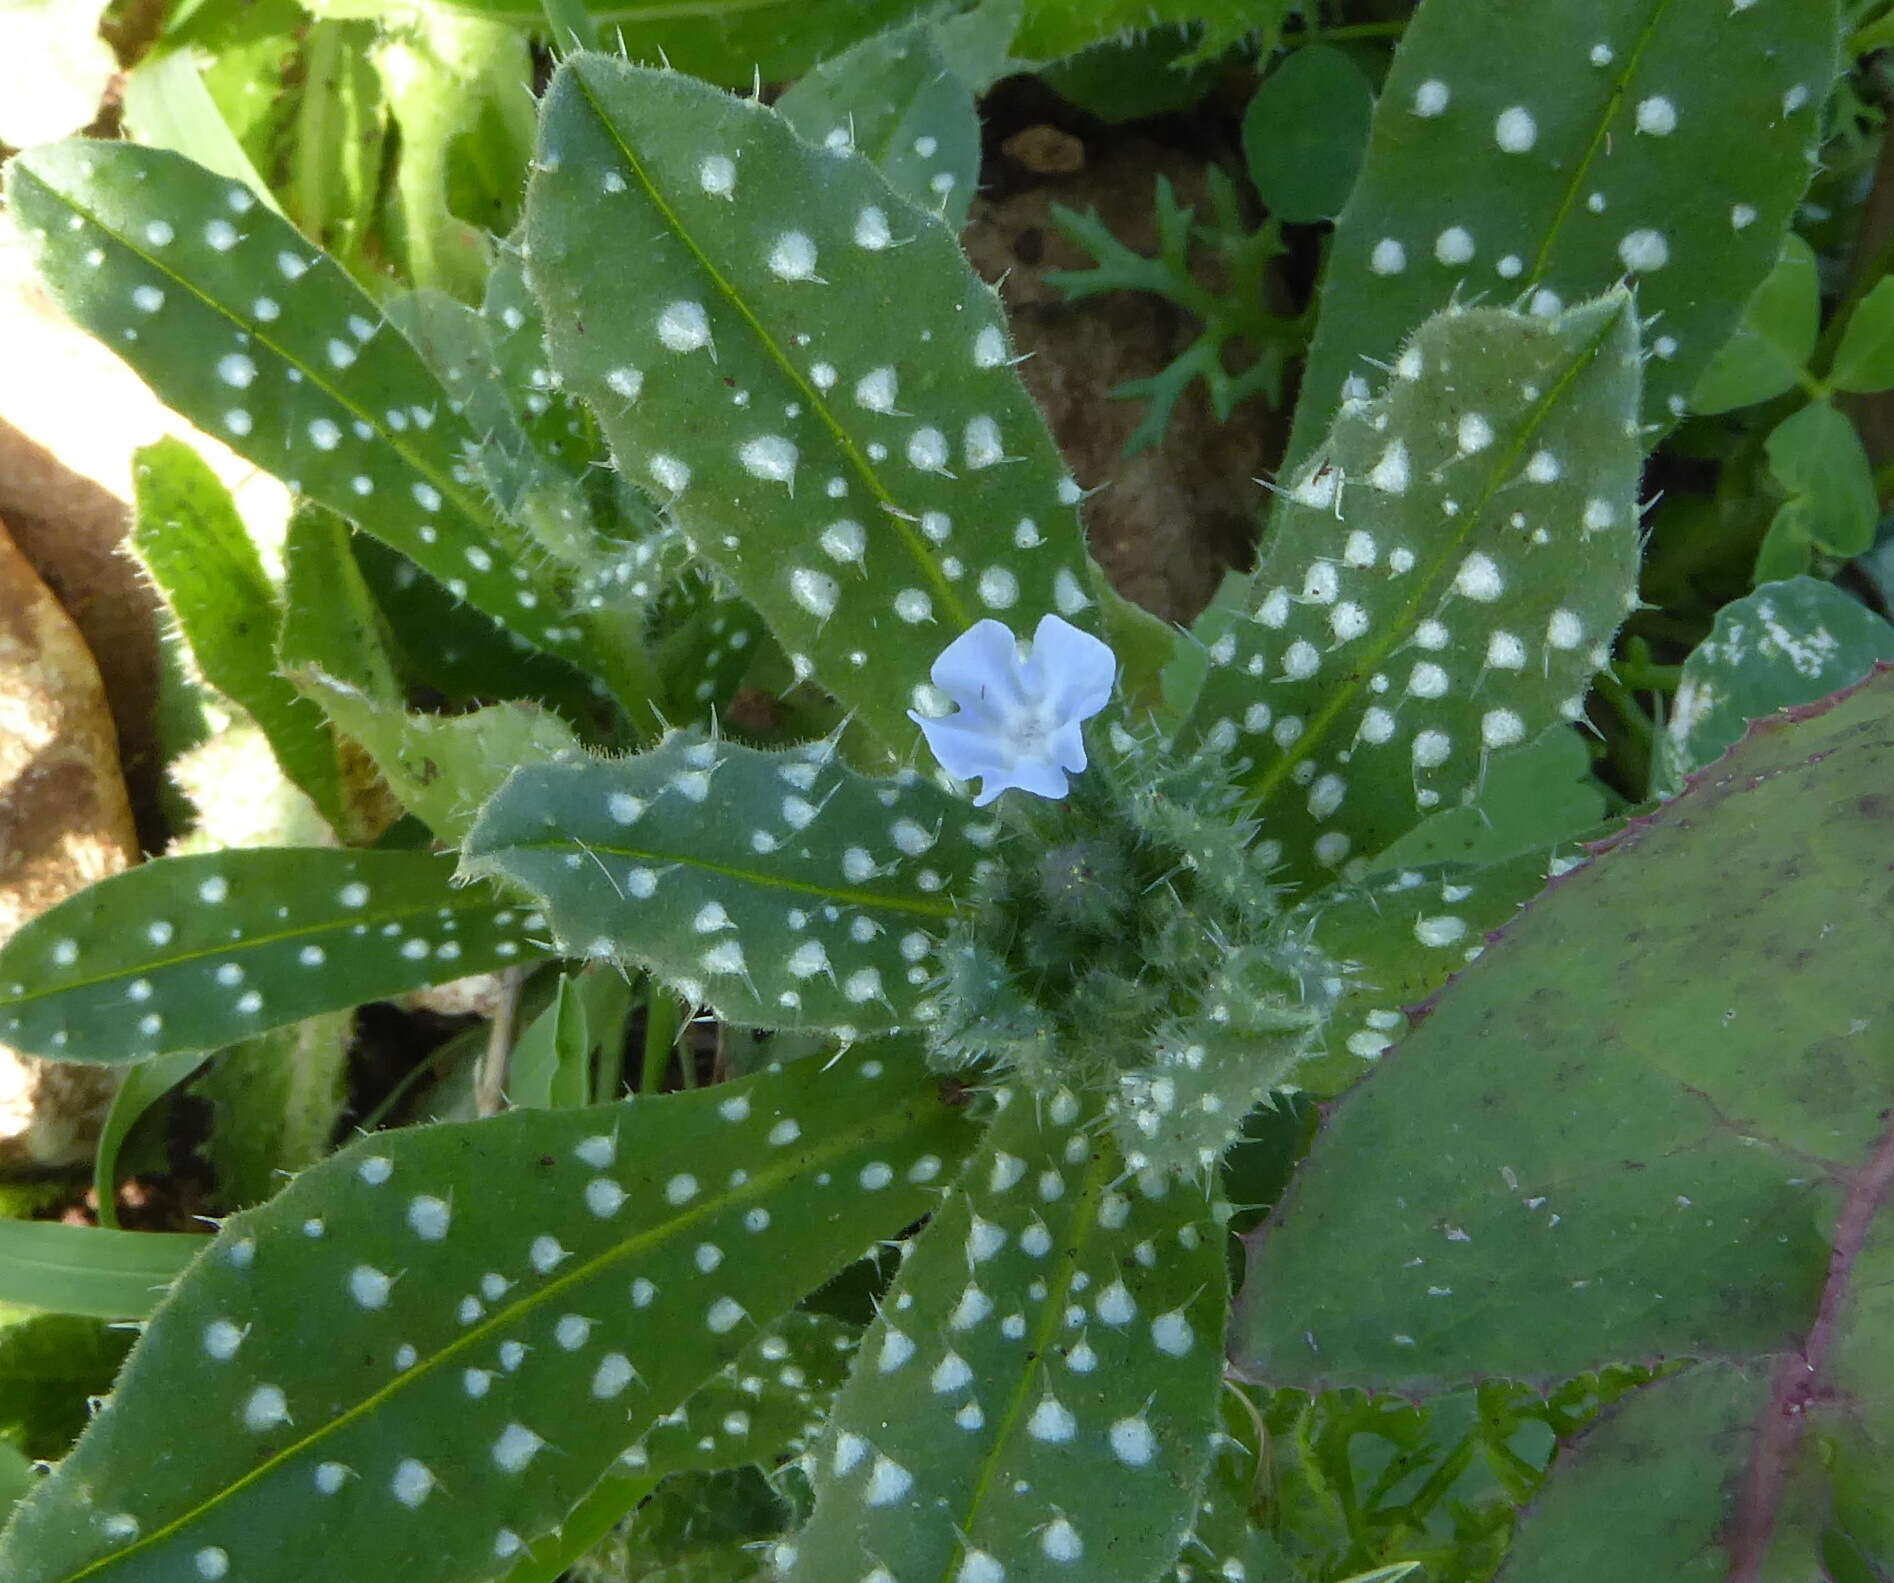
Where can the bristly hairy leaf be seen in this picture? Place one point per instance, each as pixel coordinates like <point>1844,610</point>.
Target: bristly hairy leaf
<point>1544,152</point>
<point>870,496</point>
<point>193,953</point>
<point>1443,580</point>
<point>497,1308</point>
<point>1038,1398</point>
<point>242,326</point>
<point>756,910</point>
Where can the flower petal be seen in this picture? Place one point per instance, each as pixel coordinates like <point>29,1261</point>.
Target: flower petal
<point>981,666</point>
<point>1071,670</point>
<point>1066,748</point>
<point>964,749</point>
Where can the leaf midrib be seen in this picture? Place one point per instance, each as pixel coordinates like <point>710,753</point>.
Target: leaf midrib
<point>488,862</point>
<point>1098,1176</point>
<point>449,487</point>
<point>257,941</point>
<point>833,1145</point>
<point>814,400</point>
<point>1398,631</point>
<point>1613,101</point>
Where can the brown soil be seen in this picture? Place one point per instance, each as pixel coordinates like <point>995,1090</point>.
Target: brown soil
<point>1169,522</point>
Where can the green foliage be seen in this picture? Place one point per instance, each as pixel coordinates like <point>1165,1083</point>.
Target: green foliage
<point>268,345</point>
<point>1597,143</point>
<point>1864,362</point>
<point>1240,317</point>
<point>1035,1353</point>
<point>49,1365</point>
<point>472,1338</point>
<point>761,915</point>
<point>726,412</point>
<point>275,1101</point>
<point>1767,354</point>
<point>894,99</point>
<point>1442,580</point>
<point>1402,935</point>
<point>1054,28</point>
<point>1305,133</point>
<point>1705,1180</point>
<point>191,540</point>
<point>440,767</point>
<point>192,953</point>
<point>87,1271</point>
<point>551,1063</point>
<point>143,1087</point>
<point>1816,458</point>
<point>1531,801</point>
<point>1786,644</point>
<point>863,497</point>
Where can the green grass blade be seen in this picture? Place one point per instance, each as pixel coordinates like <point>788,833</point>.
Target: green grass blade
<point>87,1270</point>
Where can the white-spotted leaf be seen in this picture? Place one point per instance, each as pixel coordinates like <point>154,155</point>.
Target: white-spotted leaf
<point>1788,643</point>
<point>1545,152</point>
<point>1443,580</point>
<point>193,953</point>
<point>243,327</point>
<point>1038,1397</point>
<point>807,370</point>
<point>782,889</point>
<point>428,1348</point>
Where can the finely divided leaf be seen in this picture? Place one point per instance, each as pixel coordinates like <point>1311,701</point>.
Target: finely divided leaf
<point>783,889</point>
<point>1546,151</point>
<point>806,369</point>
<point>1038,1397</point>
<point>499,1306</point>
<point>192,953</point>
<point>1442,581</point>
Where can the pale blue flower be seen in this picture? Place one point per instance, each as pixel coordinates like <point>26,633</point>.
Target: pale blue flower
<point>1018,724</point>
